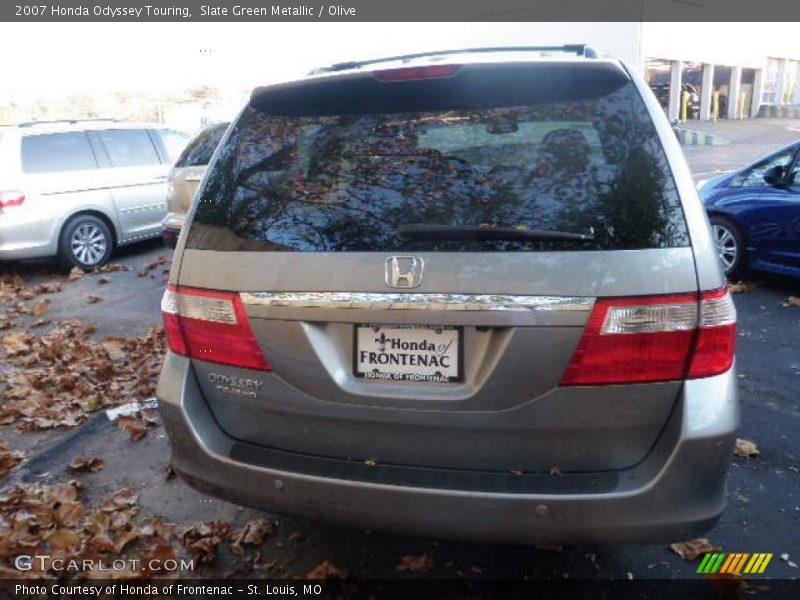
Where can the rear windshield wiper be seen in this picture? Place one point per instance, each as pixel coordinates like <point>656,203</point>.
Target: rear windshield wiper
<point>415,232</point>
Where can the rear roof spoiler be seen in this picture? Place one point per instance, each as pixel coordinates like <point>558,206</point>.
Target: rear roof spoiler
<point>579,49</point>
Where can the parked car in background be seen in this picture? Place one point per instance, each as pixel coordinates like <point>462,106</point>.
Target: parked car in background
<point>755,214</point>
<point>407,311</point>
<point>662,90</point>
<point>185,177</point>
<point>75,190</point>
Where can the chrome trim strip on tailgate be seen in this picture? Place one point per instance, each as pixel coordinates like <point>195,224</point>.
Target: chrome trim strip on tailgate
<point>435,302</point>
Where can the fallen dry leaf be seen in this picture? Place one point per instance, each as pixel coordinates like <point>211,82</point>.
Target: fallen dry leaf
<point>741,287</point>
<point>112,268</point>
<point>253,533</point>
<point>94,298</point>
<point>326,570</point>
<point>52,287</point>
<point>416,564</point>
<point>16,342</point>
<point>91,465</point>
<point>745,448</point>
<point>121,499</point>
<point>792,301</point>
<point>41,308</point>
<point>202,540</point>
<point>8,460</point>
<point>103,280</point>
<point>75,274</point>
<point>114,348</point>
<point>161,260</point>
<point>693,548</point>
<point>135,428</point>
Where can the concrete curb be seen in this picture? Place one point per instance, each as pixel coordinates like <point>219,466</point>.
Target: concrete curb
<point>688,137</point>
<point>767,111</point>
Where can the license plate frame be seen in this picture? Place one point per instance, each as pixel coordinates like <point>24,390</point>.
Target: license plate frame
<point>397,375</point>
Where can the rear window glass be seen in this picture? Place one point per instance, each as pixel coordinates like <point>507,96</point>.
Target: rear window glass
<point>174,142</point>
<point>129,147</point>
<point>57,152</point>
<point>198,152</point>
<point>473,160</point>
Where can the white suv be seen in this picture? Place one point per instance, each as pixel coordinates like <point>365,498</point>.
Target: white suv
<point>77,189</point>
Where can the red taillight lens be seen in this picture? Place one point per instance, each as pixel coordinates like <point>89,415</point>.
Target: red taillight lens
<point>211,326</point>
<point>11,199</point>
<point>716,336</point>
<point>655,338</point>
<point>410,73</point>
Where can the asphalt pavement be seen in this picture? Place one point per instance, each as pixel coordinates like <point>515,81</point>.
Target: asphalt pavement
<point>763,512</point>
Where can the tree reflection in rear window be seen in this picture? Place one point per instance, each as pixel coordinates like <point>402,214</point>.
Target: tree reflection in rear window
<point>347,182</point>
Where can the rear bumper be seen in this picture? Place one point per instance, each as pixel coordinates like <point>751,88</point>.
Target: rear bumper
<point>25,235</point>
<point>173,222</point>
<point>676,493</point>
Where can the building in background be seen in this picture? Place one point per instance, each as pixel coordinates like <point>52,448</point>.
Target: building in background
<point>722,70</point>
<point>697,70</point>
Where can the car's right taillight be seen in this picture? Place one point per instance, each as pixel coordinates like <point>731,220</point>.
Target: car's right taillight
<point>12,198</point>
<point>210,325</point>
<point>645,339</point>
<point>716,336</point>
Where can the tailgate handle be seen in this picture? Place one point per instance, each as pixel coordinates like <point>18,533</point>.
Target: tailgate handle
<point>432,302</point>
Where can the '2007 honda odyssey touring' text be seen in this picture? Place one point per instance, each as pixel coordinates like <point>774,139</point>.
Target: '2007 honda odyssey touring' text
<point>470,294</point>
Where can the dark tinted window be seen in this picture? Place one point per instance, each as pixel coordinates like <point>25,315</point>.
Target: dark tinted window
<point>56,152</point>
<point>129,147</point>
<point>198,152</point>
<point>354,166</point>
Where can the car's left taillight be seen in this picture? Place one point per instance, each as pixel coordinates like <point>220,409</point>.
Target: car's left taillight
<point>11,198</point>
<point>212,326</point>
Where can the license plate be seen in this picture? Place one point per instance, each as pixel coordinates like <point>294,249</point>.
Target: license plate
<point>408,353</point>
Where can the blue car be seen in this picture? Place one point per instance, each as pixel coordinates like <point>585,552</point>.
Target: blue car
<point>755,214</point>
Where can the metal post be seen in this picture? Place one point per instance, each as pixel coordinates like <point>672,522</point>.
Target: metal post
<point>758,90</point>
<point>734,92</point>
<point>715,106</point>
<point>706,92</point>
<point>675,80</point>
<point>684,106</point>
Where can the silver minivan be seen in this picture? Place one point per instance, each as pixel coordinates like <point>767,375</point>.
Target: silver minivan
<point>77,189</point>
<point>469,294</point>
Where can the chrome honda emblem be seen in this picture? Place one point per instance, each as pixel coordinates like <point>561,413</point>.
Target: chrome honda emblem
<point>404,271</point>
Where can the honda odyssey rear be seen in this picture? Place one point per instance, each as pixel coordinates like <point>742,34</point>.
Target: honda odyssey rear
<point>472,295</point>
